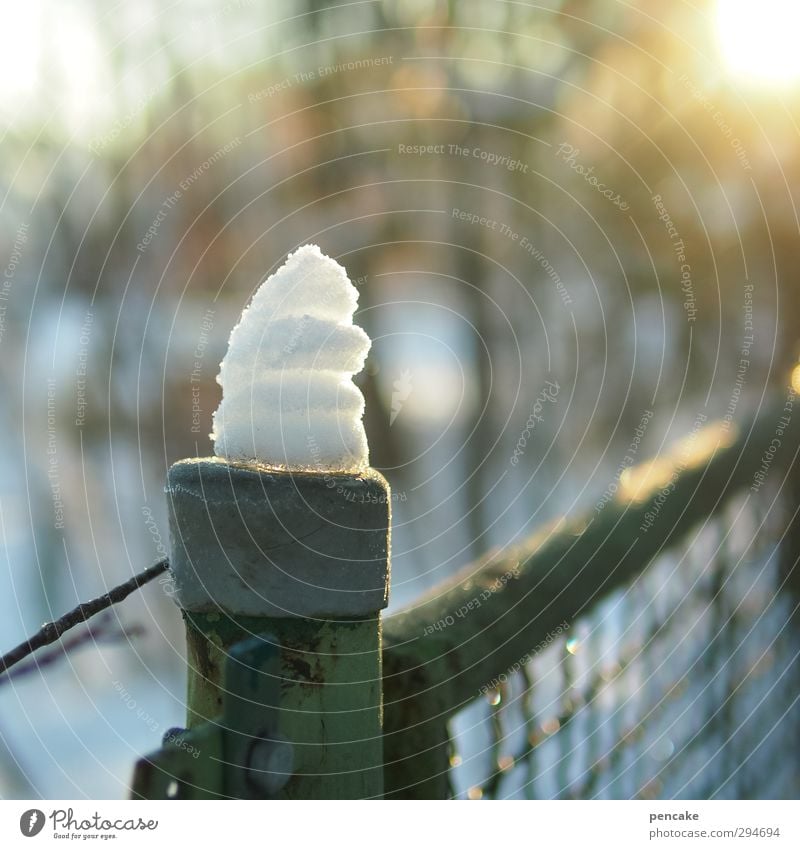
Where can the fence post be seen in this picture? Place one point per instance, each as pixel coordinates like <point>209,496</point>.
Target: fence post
<point>300,560</point>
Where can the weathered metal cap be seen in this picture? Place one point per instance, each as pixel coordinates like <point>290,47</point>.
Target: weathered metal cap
<point>253,541</point>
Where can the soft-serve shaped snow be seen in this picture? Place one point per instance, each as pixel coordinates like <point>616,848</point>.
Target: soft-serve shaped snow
<point>288,399</point>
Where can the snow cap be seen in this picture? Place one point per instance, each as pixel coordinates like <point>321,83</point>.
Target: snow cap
<point>288,399</point>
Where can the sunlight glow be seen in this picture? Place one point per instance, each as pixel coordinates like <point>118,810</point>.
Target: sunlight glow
<point>758,39</point>
<point>795,379</point>
<point>640,483</point>
<point>53,65</point>
<point>20,24</point>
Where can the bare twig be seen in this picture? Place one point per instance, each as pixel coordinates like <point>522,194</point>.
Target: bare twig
<point>102,631</point>
<point>52,631</point>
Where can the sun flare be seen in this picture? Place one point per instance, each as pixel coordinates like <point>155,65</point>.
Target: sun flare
<point>758,40</point>
<point>47,41</point>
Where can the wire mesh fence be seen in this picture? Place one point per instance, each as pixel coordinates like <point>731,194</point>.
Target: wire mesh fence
<point>684,684</point>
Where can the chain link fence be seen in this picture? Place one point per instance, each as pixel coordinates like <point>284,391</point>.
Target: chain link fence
<point>684,684</point>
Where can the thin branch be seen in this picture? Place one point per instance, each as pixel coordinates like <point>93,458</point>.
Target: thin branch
<point>100,632</point>
<point>52,631</point>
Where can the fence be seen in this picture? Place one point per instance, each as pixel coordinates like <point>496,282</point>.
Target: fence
<point>647,650</point>
<point>682,685</point>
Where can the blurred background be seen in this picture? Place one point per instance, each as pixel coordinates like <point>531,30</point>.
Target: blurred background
<point>591,200</point>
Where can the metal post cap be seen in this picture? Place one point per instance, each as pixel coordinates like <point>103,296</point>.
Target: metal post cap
<point>254,541</point>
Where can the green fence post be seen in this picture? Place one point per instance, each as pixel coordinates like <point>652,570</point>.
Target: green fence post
<point>303,558</point>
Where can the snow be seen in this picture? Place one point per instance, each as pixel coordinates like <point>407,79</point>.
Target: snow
<point>288,399</point>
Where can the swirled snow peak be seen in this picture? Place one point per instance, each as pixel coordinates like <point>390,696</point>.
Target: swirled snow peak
<point>288,399</point>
